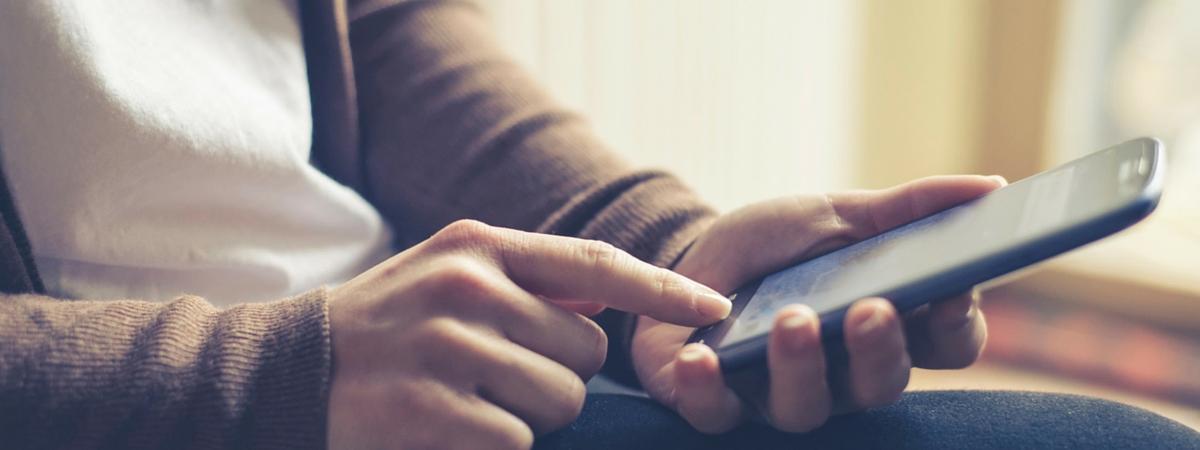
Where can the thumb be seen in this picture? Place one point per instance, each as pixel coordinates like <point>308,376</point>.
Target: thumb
<point>885,209</point>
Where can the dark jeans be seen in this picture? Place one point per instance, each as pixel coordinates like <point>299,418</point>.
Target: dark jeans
<point>921,420</point>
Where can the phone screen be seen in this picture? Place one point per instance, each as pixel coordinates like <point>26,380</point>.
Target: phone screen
<point>1037,206</point>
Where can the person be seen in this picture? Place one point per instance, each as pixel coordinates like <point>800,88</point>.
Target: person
<point>215,165</point>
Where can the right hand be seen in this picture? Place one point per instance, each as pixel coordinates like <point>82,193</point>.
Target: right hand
<point>458,341</point>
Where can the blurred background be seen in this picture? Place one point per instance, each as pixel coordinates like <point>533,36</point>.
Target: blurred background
<point>754,99</point>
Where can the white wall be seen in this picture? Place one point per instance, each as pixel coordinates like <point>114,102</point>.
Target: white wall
<point>1129,68</point>
<point>744,99</point>
<point>1082,116</point>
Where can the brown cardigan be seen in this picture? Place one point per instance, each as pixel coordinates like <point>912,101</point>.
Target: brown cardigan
<point>416,108</point>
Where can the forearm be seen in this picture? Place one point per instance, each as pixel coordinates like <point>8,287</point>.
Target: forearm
<point>454,128</point>
<point>181,374</point>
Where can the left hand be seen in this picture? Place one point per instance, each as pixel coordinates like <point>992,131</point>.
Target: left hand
<point>882,346</point>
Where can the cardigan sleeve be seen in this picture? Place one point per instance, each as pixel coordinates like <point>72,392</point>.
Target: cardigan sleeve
<point>453,128</point>
<point>180,374</point>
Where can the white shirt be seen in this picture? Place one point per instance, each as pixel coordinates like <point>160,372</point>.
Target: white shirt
<point>160,147</point>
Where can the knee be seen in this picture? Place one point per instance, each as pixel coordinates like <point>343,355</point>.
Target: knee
<point>1002,419</point>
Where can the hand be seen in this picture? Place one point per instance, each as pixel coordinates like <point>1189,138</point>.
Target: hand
<point>882,347</point>
<point>457,342</point>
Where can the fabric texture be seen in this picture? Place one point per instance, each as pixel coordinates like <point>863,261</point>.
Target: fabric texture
<point>429,122</point>
<point>182,374</point>
<point>147,93</point>
<point>983,420</point>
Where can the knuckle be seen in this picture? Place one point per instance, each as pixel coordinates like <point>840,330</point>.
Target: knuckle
<point>841,228</point>
<point>667,284</point>
<point>518,436</point>
<point>417,398</point>
<point>464,233</point>
<point>800,424</point>
<point>444,333</point>
<point>962,358</point>
<point>461,277</point>
<point>671,289</point>
<point>599,351</point>
<point>882,385</point>
<point>882,395</point>
<point>971,348</point>
<point>567,404</point>
<point>601,255</point>
<point>710,425</point>
<point>573,400</point>
<point>392,268</point>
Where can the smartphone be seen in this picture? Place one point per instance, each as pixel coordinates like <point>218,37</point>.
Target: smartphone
<point>949,252</point>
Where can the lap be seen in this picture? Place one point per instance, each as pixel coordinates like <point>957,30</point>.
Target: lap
<point>927,419</point>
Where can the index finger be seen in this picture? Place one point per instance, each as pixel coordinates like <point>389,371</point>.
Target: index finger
<point>580,269</point>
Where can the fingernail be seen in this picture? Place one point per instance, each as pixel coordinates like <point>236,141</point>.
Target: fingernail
<point>713,305</point>
<point>873,322</point>
<point>795,336</point>
<point>999,179</point>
